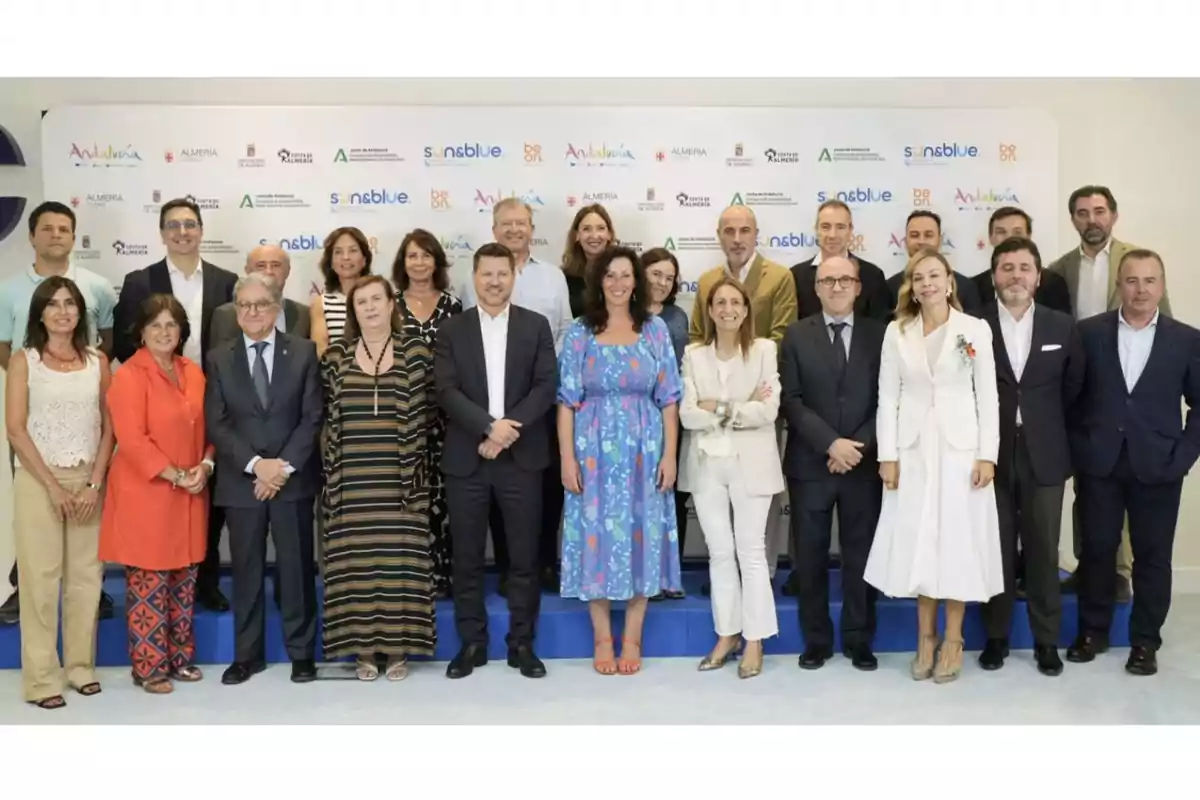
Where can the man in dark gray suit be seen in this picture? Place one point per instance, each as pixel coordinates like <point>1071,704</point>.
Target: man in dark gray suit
<point>272,261</point>
<point>263,409</point>
<point>829,373</point>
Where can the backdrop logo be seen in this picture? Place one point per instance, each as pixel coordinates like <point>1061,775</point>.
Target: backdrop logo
<point>293,157</point>
<point>984,200</point>
<point>366,155</point>
<point>652,202</point>
<point>99,200</point>
<point>681,154</point>
<point>126,249</point>
<point>828,155</point>
<point>590,198</point>
<point>856,196</point>
<point>792,241</point>
<point>370,197</point>
<point>251,160</point>
<point>922,198</point>
<point>761,199</point>
<point>938,153</point>
<point>774,156</point>
<point>272,201</point>
<point>455,245</point>
<point>598,156</point>
<point>739,157</point>
<point>692,200</point>
<point>207,203</point>
<point>85,251</point>
<point>218,246</point>
<point>439,199</point>
<point>898,243</point>
<point>461,154</point>
<point>190,155</point>
<point>1008,153</point>
<point>485,201</point>
<point>533,153</point>
<point>306,243</point>
<point>692,243</point>
<point>109,156</point>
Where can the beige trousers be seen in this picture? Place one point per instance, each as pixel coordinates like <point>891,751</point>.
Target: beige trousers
<point>53,552</point>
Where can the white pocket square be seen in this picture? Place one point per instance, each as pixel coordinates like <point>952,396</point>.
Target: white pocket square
<point>1047,347</point>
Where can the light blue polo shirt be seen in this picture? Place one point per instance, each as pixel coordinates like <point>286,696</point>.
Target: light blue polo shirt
<point>17,292</point>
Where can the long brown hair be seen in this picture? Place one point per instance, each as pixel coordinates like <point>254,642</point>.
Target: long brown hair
<point>351,331</point>
<point>36,335</point>
<point>574,262</point>
<point>746,331</point>
<point>332,282</point>
<point>907,307</point>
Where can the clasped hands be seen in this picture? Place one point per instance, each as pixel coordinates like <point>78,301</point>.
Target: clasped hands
<point>270,475</point>
<point>78,506</point>
<point>195,479</point>
<point>982,474</point>
<point>503,434</point>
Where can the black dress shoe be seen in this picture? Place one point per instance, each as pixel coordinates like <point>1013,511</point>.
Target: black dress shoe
<point>993,655</point>
<point>468,658</point>
<point>815,657</point>
<point>10,612</point>
<point>1048,662</point>
<point>242,671</point>
<point>1085,648</point>
<point>861,657</point>
<point>523,658</point>
<point>1142,661</point>
<point>304,671</point>
<point>212,600</point>
<point>106,606</point>
<point>672,594</point>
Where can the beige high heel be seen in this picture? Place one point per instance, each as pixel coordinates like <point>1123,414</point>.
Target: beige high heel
<point>922,665</point>
<point>750,668</point>
<point>950,661</point>
<point>711,662</point>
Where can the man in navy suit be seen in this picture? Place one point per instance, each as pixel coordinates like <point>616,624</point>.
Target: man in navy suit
<point>1131,454</point>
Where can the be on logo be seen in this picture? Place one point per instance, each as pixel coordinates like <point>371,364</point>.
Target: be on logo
<point>857,245</point>
<point>533,153</point>
<point>1008,152</point>
<point>922,198</point>
<point>439,199</point>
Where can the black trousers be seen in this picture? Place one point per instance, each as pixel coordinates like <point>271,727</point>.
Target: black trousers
<point>551,516</point>
<point>858,503</point>
<point>209,573</point>
<point>681,498</point>
<point>1153,511</point>
<point>1030,514</point>
<point>517,493</point>
<point>290,523</point>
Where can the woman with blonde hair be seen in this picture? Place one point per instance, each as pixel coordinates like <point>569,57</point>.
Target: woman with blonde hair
<point>731,459</point>
<point>938,430</point>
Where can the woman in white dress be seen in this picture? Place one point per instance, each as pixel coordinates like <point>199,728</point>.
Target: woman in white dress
<point>938,428</point>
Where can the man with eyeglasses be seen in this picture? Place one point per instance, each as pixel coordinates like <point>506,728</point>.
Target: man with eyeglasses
<point>201,288</point>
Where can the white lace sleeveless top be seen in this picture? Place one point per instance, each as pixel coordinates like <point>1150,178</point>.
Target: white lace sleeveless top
<point>64,411</point>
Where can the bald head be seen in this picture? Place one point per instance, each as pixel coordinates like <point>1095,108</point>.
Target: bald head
<point>737,229</point>
<point>836,265</point>
<point>270,260</point>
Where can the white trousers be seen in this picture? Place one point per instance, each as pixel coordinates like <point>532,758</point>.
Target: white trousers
<point>741,603</point>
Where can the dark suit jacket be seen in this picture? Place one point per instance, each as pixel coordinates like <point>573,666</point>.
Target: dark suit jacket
<point>530,387</point>
<point>1052,292</point>
<point>1162,447</point>
<point>225,325</point>
<point>240,428</point>
<point>873,301</point>
<point>1048,388</point>
<point>968,293</point>
<point>155,279</point>
<point>817,407</point>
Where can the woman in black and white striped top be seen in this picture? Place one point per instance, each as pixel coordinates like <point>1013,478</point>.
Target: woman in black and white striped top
<point>347,257</point>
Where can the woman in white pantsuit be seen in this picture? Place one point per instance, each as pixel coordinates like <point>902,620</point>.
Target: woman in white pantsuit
<point>731,458</point>
<point>938,429</point>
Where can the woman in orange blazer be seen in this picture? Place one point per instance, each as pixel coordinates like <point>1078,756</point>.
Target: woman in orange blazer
<point>156,509</point>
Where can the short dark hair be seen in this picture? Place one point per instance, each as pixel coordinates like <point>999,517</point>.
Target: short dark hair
<point>429,243</point>
<point>154,305</point>
<point>1088,191</point>
<point>51,207</point>
<point>595,312</point>
<point>178,202</point>
<point>1139,253</point>
<point>332,282</point>
<point>1010,211</point>
<point>36,335</point>
<point>1015,244</point>
<point>493,250</point>
<point>921,212</point>
<point>657,254</point>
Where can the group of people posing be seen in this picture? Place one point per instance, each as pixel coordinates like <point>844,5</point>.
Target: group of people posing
<point>940,417</point>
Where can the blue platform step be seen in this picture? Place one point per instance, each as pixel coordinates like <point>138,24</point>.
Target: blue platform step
<point>673,627</point>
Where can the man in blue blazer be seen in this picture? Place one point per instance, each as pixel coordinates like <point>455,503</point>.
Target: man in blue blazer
<point>1131,453</point>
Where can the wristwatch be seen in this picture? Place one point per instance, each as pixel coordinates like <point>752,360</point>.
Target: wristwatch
<point>208,462</point>
<point>722,409</point>
<point>95,486</point>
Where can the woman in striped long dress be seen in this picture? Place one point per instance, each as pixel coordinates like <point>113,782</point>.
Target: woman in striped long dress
<point>345,259</point>
<point>379,411</point>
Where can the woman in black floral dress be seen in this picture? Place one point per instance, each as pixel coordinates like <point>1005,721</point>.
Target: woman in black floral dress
<point>421,275</point>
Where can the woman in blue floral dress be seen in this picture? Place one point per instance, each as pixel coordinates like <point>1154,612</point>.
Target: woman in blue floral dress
<point>619,387</point>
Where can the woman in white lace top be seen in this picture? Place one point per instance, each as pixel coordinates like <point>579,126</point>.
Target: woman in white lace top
<point>60,431</point>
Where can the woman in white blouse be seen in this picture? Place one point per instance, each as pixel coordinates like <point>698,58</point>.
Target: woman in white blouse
<point>59,428</point>
<point>938,429</point>
<point>731,458</point>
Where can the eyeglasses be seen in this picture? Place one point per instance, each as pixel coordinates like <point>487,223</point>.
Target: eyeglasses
<point>181,225</point>
<point>844,281</point>
<point>257,306</point>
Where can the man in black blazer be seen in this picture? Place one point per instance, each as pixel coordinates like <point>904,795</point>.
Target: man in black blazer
<point>924,229</point>
<point>1131,453</point>
<point>263,410</point>
<point>200,287</point>
<point>496,378</point>
<point>1039,373</point>
<point>273,262</point>
<point>1011,222</point>
<point>829,373</point>
<point>835,231</point>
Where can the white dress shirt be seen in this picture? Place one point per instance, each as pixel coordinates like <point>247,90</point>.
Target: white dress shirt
<point>847,331</point>
<point>540,287</point>
<point>190,294</point>
<point>1018,338</point>
<point>1133,347</point>
<point>495,350</point>
<point>1094,286</point>
<point>744,272</point>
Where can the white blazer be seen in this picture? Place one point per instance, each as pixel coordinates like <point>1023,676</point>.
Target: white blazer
<point>750,435</point>
<point>960,390</point>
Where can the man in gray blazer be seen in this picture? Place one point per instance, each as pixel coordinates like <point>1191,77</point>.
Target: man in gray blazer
<point>263,410</point>
<point>272,261</point>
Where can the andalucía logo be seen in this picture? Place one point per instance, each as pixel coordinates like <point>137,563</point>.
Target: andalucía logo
<point>598,155</point>
<point>272,201</point>
<point>830,154</point>
<point>692,200</point>
<point>292,157</point>
<point>307,242</point>
<point>370,155</point>
<point>96,156</point>
<point>984,200</point>
<point>938,153</point>
<point>692,243</point>
<point>761,199</point>
<point>370,197</point>
<point>126,249</point>
<point>484,201</point>
<point>460,154</point>
<point>12,207</point>
<point>899,245</point>
<point>792,241</point>
<point>455,245</point>
<point>856,196</point>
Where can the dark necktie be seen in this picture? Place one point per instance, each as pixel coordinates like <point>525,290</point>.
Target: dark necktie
<point>262,383</point>
<point>839,346</point>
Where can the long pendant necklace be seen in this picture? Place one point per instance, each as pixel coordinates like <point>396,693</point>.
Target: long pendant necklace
<point>379,360</point>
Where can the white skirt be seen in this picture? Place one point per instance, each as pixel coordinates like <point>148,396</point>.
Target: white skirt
<point>937,535</point>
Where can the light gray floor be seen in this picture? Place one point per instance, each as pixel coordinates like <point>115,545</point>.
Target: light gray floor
<point>671,691</point>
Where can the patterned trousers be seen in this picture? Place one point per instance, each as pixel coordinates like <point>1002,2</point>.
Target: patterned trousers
<point>159,606</point>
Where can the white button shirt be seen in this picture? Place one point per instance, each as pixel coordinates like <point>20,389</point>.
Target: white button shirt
<point>540,287</point>
<point>847,331</point>
<point>1094,286</point>
<point>1018,339</point>
<point>1133,347</point>
<point>190,294</point>
<point>495,350</point>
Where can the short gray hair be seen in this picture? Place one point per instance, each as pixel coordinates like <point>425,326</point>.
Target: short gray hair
<point>258,279</point>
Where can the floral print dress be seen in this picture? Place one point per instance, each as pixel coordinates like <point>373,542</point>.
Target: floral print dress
<point>620,535</point>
